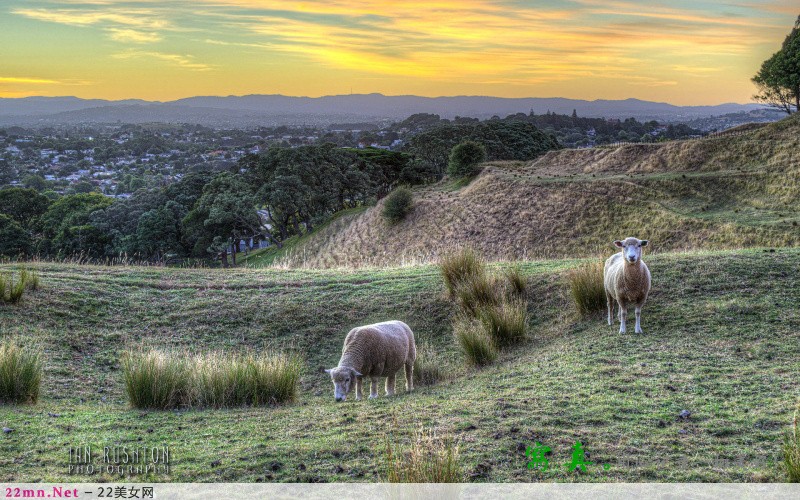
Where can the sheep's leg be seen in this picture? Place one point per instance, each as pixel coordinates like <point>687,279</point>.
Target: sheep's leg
<point>638,319</point>
<point>390,385</point>
<point>610,304</point>
<point>373,387</point>
<point>409,376</point>
<point>359,394</point>
<point>623,316</point>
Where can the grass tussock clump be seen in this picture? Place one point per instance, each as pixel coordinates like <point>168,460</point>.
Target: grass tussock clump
<point>506,322</point>
<point>791,449</point>
<point>428,369</point>
<point>12,288</point>
<point>20,374</point>
<point>429,459</point>
<point>494,309</point>
<point>587,289</point>
<point>477,292</point>
<point>156,380</point>
<point>478,347</point>
<point>460,267</point>
<point>516,281</point>
<point>161,380</point>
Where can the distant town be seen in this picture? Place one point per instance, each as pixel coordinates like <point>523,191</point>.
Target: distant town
<point>118,159</point>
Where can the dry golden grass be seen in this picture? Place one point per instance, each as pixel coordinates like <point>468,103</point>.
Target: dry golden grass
<point>726,192</point>
<point>429,459</point>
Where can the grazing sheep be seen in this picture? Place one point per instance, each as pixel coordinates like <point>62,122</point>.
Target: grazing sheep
<point>373,351</point>
<point>627,280</point>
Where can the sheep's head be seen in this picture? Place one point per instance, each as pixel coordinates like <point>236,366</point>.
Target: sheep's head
<point>631,249</point>
<point>344,379</point>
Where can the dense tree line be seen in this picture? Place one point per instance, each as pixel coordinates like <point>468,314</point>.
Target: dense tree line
<point>502,139</point>
<point>569,130</point>
<point>279,194</point>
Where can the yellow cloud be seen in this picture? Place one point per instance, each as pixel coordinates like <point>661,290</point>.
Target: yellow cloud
<point>135,36</point>
<point>36,81</point>
<point>141,18</point>
<point>183,61</point>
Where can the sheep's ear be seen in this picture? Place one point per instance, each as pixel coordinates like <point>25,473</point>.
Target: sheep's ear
<point>328,370</point>
<point>357,374</point>
<point>643,243</point>
<point>618,243</point>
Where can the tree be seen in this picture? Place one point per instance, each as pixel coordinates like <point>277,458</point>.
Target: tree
<point>301,187</point>
<point>224,214</point>
<point>66,225</point>
<point>23,205</point>
<point>36,182</point>
<point>14,239</point>
<point>464,159</point>
<point>157,233</point>
<point>778,80</point>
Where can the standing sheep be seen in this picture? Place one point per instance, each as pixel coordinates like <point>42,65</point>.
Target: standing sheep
<point>378,350</point>
<point>627,280</point>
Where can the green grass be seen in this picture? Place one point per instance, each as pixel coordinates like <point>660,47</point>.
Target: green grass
<point>722,341</point>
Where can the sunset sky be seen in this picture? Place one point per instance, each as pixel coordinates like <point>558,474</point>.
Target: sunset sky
<point>683,52</point>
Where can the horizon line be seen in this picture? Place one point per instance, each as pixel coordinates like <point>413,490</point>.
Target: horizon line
<point>376,94</point>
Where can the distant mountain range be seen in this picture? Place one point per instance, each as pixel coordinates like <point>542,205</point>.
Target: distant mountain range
<point>253,110</point>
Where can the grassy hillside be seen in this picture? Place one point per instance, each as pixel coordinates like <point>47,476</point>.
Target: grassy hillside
<point>721,342</point>
<point>730,191</point>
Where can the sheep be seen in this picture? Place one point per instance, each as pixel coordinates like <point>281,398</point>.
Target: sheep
<point>373,351</point>
<point>627,280</point>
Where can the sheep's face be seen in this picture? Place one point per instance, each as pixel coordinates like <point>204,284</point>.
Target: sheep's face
<point>344,379</point>
<point>631,249</point>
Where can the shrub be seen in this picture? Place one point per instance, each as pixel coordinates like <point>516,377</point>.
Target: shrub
<point>397,205</point>
<point>506,323</point>
<point>476,343</point>
<point>587,289</point>
<point>464,159</point>
<point>460,267</point>
<point>20,374</point>
<point>429,459</point>
<point>428,370</point>
<point>168,380</point>
<point>156,380</point>
<point>791,450</point>
<point>516,281</point>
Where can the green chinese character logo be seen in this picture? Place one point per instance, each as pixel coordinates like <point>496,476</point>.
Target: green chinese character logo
<point>578,458</point>
<point>538,460</point>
